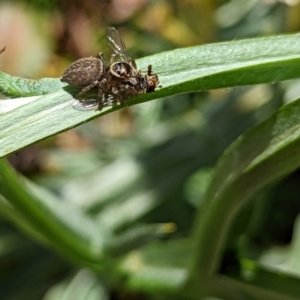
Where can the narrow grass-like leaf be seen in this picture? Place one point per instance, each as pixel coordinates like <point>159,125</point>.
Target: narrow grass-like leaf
<point>138,237</point>
<point>83,285</point>
<point>61,224</point>
<point>161,267</point>
<point>180,71</point>
<point>13,87</point>
<point>261,156</point>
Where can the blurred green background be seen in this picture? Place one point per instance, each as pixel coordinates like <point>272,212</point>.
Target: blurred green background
<point>150,162</point>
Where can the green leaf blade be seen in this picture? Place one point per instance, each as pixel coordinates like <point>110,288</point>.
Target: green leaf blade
<point>180,71</point>
<point>13,87</point>
<point>261,156</point>
<point>61,224</point>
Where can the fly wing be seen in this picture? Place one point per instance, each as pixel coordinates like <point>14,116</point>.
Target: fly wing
<point>93,104</point>
<point>84,105</point>
<point>116,43</point>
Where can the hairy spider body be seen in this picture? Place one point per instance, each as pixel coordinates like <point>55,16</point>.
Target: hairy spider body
<point>116,82</point>
<point>88,72</point>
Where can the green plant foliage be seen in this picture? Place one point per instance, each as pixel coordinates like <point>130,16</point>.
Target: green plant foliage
<point>180,71</point>
<point>262,156</point>
<point>86,227</point>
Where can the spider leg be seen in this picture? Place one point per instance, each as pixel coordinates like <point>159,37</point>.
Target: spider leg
<point>101,57</point>
<point>117,95</point>
<point>103,86</point>
<point>89,87</point>
<point>99,98</point>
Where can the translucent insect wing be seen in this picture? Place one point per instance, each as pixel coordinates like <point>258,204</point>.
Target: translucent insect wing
<point>93,104</point>
<point>116,43</point>
<point>86,104</point>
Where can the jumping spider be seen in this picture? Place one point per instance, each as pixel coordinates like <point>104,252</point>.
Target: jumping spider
<point>116,82</point>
